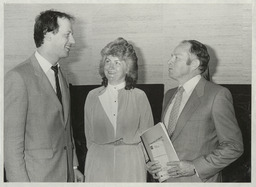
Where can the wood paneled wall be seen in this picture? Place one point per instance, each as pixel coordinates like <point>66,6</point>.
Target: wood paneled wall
<point>153,29</point>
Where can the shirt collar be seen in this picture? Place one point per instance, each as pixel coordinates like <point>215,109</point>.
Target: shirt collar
<point>45,64</point>
<point>116,87</point>
<point>191,84</point>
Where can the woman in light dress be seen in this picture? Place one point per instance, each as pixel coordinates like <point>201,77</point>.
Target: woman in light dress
<point>115,115</point>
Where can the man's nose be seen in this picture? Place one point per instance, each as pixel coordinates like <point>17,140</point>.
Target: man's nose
<point>170,61</point>
<point>72,40</point>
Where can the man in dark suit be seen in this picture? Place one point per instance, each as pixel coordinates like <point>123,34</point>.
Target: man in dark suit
<point>200,119</point>
<point>38,142</point>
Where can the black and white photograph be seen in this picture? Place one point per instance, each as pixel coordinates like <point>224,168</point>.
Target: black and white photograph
<point>129,93</point>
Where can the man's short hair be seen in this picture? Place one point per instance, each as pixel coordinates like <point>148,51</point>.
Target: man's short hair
<point>200,51</point>
<point>47,21</point>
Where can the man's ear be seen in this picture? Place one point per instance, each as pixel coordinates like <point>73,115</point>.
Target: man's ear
<point>195,64</point>
<point>48,36</point>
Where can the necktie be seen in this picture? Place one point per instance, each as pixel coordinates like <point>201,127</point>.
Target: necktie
<point>55,69</point>
<point>175,111</point>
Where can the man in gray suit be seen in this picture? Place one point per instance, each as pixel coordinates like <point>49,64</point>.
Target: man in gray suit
<point>38,142</point>
<point>200,120</point>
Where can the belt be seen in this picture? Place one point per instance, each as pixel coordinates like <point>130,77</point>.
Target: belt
<point>120,142</point>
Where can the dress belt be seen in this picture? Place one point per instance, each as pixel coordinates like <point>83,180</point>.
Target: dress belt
<point>120,142</point>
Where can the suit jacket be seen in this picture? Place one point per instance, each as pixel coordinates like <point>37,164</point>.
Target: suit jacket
<point>38,145</point>
<point>207,132</point>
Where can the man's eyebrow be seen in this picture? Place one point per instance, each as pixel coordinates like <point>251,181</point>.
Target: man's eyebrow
<point>177,54</point>
<point>68,32</point>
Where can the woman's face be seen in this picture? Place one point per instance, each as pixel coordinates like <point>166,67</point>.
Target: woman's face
<point>115,70</point>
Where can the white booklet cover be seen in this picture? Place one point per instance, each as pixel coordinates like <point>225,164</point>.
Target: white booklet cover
<point>159,148</point>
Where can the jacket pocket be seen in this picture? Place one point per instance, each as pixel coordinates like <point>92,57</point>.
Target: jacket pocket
<point>39,153</point>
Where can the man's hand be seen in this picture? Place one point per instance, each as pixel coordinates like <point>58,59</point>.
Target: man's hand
<point>79,177</point>
<point>181,169</point>
<point>153,168</point>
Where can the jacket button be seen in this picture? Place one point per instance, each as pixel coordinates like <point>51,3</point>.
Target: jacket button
<point>65,147</point>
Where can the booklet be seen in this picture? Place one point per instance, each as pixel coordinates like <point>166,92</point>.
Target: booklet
<point>159,147</point>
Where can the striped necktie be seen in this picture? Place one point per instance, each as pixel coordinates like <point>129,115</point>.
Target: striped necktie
<point>175,111</point>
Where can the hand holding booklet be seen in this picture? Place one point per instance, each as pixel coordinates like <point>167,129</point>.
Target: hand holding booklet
<point>159,148</point>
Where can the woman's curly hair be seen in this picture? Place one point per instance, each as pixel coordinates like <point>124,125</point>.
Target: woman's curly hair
<point>125,52</point>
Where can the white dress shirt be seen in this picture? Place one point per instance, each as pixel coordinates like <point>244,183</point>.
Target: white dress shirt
<point>109,101</point>
<point>189,86</point>
<point>46,66</point>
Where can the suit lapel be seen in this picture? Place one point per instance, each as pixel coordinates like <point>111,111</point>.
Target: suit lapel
<point>45,83</point>
<point>191,105</point>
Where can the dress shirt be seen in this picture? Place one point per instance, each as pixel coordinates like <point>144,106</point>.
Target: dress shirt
<point>189,86</point>
<point>109,101</point>
<point>46,66</point>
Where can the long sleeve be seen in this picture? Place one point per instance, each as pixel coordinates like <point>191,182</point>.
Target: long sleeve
<point>75,160</point>
<point>230,145</point>
<point>146,120</point>
<point>15,112</point>
<point>87,119</point>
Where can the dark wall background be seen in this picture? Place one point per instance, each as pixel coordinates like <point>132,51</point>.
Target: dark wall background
<point>239,171</point>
